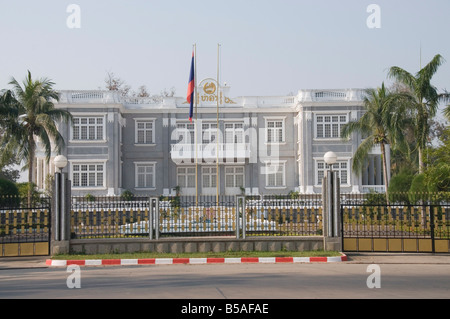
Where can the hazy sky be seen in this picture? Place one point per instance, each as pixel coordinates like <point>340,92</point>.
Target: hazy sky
<point>268,47</point>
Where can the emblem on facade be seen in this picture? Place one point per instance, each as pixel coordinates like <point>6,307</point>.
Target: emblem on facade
<point>209,88</point>
<point>207,94</point>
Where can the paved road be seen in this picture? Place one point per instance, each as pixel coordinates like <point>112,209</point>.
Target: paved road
<point>419,276</point>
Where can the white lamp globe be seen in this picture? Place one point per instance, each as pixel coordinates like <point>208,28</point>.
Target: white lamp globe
<point>330,158</point>
<point>60,162</point>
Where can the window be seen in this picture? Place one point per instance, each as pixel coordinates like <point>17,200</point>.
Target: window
<point>88,128</point>
<point>234,133</point>
<point>340,167</point>
<point>329,126</point>
<point>145,175</point>
<point>209,132</point>
<point>145,132</point>
<point>185,133</point>
<point>209,177</point>
<point>234,177</point>
<point>275,174</point>
<point>186,177</point>
<point>87,175</point>
<point>275,131</point>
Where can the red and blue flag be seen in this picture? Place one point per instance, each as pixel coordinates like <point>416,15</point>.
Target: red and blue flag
<point>190,91</point>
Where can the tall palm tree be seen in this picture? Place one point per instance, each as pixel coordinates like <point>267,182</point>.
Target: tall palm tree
<point>381,124</point>
<point>426,99</point>
<point>31,114</point>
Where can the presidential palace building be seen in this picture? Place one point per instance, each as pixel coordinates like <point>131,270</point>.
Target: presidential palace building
<point>250,144</point>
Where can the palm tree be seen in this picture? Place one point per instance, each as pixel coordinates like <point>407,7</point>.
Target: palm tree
<point>31,114</point>
<point>425,100</point>
<point>381,125</point>
<point>447,112</point>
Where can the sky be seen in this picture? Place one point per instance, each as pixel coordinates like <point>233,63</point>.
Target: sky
<point>267,47</point>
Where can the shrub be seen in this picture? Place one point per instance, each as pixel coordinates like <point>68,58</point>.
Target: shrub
<point>9,193</point>
<point>8,188</point>
<point>400,183</point>
<point>127,195</point>
<point>399,186</point>
<point>418,190</point>
<point>437,178</point>
<point>89,197</point>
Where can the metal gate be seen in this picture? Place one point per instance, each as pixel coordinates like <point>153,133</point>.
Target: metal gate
<point>24,230</point>
<point>419,227</point>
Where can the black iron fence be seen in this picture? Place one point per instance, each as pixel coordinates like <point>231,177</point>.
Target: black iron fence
<point>24,230</point>
<point>109,217</point>
<point>284,215</point>
<point>187,216</point>
<point>197,216</point>
<point>367,219</point>
<point>405,222</point>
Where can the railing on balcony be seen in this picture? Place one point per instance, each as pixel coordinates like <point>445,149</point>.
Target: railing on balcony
<point>104,97</point>
<point>331,95</point>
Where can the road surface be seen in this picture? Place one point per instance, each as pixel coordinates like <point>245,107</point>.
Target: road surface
<point>227,281</point>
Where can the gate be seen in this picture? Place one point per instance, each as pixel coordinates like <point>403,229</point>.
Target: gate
<point>188,216</point>
<point>421,226</point>
<point>24,231</point>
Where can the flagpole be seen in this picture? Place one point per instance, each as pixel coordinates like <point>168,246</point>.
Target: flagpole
<point>195,126</point>
<point>217,134</point>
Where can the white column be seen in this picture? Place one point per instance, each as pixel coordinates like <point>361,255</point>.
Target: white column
<point>45,173</point>
<point>38,173</point>
<point>388,161</point>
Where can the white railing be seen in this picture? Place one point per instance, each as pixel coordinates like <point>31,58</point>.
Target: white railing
<point>331,95</point>
<point>267,101</point>
<point>88,97</point>
<point>104,97</point>
<point>373,188</point>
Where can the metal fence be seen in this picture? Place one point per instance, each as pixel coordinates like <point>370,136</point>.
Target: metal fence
<point>283,215</point>
<point>190,216</point>
<point>197,216</point>
<point>404,222</point>
<point>109,217</point>
<point>24,230</point>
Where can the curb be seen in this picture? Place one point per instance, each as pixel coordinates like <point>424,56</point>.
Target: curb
<point>192,261</point>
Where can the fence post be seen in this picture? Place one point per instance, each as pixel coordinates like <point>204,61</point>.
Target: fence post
<point>155,216</point>
<point>432,227</point>
<point>61,203</point>
<point>240,207</point>
<point>331,211</point>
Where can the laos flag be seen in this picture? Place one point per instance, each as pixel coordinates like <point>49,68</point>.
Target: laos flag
<point>190,91</point>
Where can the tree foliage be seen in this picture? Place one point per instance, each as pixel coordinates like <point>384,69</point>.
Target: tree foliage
<point>424,100</point>
<point>30,114</point>
<point>380,125</point>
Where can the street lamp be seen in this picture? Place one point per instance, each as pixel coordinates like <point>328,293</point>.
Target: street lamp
<point>60,199</point>
<point>60,162</point>
<point>331,194</point>
<point>330,158</point>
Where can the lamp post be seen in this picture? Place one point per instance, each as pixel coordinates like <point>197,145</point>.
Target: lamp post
<point>331,200</point>
<point>59,195</point>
